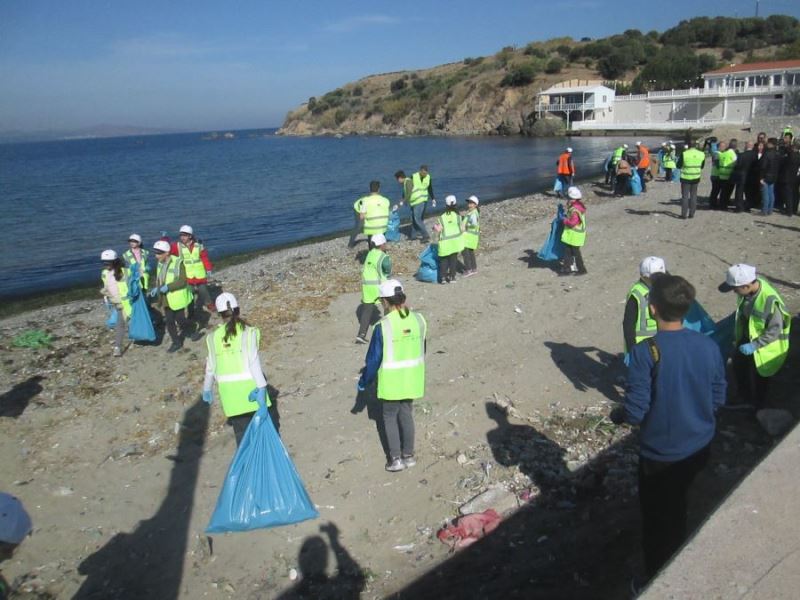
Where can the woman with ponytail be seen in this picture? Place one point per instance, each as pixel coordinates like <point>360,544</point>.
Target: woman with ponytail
<point>396,358</point>
<point>234,362</point>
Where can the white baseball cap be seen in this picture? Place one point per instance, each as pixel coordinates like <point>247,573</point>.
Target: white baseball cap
<point>378,239</point>
<point>573,193</point>
<point>569,149</point>
<point>389,288</point>
<point>187,229</point>
<point>638,143</point>
<point>473,199</point>
<point>161,246</point>
<point>108,255</point>
<point>738,274</point>
<point>15,522</point>
<point>625,146</point>
<point>450,200</point>
<point>135,237</point>
<point>652,264</point>
<point>226,301</point>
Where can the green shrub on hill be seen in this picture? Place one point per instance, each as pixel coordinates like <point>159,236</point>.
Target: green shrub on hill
<point>519,74</point>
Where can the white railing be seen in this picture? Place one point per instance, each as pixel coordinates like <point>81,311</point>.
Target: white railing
<point>630,97</point>
<point>710,92</point>
<point>655,126</point>
<point>565,107</point>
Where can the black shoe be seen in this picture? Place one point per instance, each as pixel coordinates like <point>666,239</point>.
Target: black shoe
<point>564,273</point>
<point>174,347</point>
<point>196,336</point>
<point>584,272</point>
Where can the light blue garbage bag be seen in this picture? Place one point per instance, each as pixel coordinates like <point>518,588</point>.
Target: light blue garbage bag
<point>113,315</point>
<point>697,319</point>
<point>429,264</point>
<point>262,488</point>
<point>140,326</point>
<point>635,183</point>
<point>553,248</point>
<point>721,332</point>
<point>558,187</point>
<point>393,230</point>
<point>676,174</point>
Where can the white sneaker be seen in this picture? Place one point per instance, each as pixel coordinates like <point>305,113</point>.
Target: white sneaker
<point>395,465</point>
<point>117,351</point>
<point>361,339</point>
<point>409,461</point>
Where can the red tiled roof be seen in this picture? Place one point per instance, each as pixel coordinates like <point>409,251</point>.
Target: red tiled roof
<point>758,66</point>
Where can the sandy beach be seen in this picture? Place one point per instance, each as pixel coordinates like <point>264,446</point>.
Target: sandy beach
<point>120,463</point>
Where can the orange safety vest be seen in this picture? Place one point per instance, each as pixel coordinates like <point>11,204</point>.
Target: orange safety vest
<point>563,164</point>
<point>644,162</point>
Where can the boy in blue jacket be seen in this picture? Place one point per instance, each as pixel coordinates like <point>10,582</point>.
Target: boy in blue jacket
<point>676,382</point>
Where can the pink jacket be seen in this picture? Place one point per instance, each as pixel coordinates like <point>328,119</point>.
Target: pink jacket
<point>572,219</point>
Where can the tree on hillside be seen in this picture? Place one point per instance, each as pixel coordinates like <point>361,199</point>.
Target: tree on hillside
<point>615,64</point>
<point>673,68</point>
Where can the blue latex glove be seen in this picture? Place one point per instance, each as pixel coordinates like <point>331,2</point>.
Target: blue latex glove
<point>627,359</point>
<point>747,349</point>
<point>208,398</point>
<point>153,293</point>
<point>360,387</point>
<point>163,289</point>
<point>258,395</point>
<point>209,273</point>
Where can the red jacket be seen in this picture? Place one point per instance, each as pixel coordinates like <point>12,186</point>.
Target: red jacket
<point>203,256</point>
<point>573,220</point>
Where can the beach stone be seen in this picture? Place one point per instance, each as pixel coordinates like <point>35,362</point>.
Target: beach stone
<point>775,421</point>
<point>498,498</point>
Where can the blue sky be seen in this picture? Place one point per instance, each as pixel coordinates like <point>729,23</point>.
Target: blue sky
<point>223,65</point>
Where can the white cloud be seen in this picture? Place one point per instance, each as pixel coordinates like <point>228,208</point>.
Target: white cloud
<point>350,24</point>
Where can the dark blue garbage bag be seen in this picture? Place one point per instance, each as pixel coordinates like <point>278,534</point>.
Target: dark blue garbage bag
<point>393,230</point>
<point>635,183</point>
<point>429,264</point>
<point>553,248</point>
<point>140,326</point>
<point>262,488</point>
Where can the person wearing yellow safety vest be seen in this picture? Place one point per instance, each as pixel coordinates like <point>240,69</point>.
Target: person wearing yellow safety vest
<point>471,229</point>
<point>198,269</point>
<point>234,363</point>
<point>451,240</point>
<point>136,254</point>
<point>373,211</point>
<point>761,334</point>
<point>637,323</point>
<point>396,357</point>
<point>115,292</point>
<point>377,269</point>
<point>669,162</point>
<point>417,190</point>
<point>174,295</point>
<point>726,163</point>
<point>716,185</point>
<point>574,234</point>
<point>616,156</point>
<point>691,163</point>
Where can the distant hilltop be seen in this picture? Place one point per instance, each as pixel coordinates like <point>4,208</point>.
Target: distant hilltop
<point>495,95</point>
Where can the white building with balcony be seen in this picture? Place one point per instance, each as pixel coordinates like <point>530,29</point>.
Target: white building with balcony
<point>730,95</point>
<point>576,103</point>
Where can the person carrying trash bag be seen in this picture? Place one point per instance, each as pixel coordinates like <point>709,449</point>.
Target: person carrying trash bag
<point>233,362</point>
<point>115,292</point>
<point>174,295</point>
<point>471,230</point>
<point>553,248</point>
<point>451,242</point>
<point>761,332</point>
<point>135,254</point>
<point>377,268</point>
<point>574,234</point>
<point>637,323</point>
<point>396,357</point>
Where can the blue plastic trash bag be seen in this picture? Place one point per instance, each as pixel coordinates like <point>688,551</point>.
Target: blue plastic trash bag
<point>262,488</point>
<point>429,264</point>
<point>676,174</point>
<point>113,315</point>
<point>140,326</point>
<point>660,162</point>
<point>697,319</point>
<point>553,248</point>
<point>635,183</point>
<point>393,230</point>
<point>558,187</point>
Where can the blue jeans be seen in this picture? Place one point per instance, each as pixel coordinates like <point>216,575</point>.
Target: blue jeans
<point>767,198</point>
<point>417,222</point>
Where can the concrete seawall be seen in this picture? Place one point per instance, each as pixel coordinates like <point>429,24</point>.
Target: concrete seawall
<point>750,546</point>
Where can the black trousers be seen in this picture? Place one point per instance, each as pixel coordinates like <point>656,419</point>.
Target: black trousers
<point>368,314</point>
<point>174,319</point>
<point>752,386</point>
<point>468,254</point>
<point>573,253</point>
<point>663,491</point>
<point>239,424</point>
<point>447,267</point>
<point>725,193</point>
<point>716,188</point>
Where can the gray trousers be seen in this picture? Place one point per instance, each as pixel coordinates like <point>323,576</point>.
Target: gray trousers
<point>119,329</point>
<point>468,254</point>
<point>398,422</point>
<point>368,314</point>
<point>688,197</point>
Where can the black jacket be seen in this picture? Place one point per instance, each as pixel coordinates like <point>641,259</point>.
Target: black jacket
<point>769,165</point>
<point>744,168</point>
